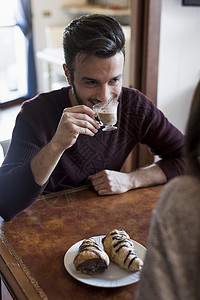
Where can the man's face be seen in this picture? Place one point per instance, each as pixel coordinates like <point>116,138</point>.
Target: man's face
<point>97,79</point>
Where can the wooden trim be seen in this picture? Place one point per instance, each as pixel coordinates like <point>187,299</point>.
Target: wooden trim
<point>12,103</point>
<point>131,162</point>
<point>145,37</point>
<point>136,42</point>
<point>151,38</point>
<point>150,60</point>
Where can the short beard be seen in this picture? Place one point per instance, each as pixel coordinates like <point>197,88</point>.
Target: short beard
<point>75,93</point>
<point>78,98</point>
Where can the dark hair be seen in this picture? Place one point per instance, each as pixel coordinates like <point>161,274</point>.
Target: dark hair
<point>192,141</point>
<point>95,34</point>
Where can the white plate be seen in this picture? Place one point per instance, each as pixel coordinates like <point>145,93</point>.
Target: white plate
<point>114,276</point>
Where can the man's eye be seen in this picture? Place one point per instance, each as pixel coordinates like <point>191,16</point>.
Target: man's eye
<point>91,82</point>
<point>114,80</point>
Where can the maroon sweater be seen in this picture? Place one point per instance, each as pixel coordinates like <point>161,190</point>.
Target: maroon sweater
<point>139,121</point>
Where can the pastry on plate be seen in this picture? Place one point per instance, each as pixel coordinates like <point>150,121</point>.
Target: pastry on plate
<point>120,249</point>
<point>91,258</point>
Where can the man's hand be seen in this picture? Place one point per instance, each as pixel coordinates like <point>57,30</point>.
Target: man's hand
<point>108,182</point>
<point>111,182</point>
<point>74,121</point>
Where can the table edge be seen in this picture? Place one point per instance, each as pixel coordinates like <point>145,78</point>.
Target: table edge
<point>15,268</point>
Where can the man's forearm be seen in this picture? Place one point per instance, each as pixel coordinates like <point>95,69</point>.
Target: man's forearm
<point>45,161</point>
<point>107,182</point>
<point>147,176</point>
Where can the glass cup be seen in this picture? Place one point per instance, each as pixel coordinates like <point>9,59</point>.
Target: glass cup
<point>107,114</point>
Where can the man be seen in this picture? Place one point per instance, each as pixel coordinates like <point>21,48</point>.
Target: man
<point>57,143</point>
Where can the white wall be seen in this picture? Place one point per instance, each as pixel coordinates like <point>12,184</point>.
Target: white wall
<point>47,13</point>
<point>179,60</point>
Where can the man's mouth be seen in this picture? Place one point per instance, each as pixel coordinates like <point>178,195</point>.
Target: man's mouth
<point>94,101</point>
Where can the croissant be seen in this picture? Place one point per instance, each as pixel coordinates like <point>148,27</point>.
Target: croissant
<point>120,249</point>
<point>91,259</point>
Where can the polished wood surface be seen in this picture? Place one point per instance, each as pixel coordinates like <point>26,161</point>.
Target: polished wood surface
<point>34,243</point>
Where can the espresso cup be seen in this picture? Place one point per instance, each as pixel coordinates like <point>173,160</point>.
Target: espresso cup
<point>107,114</point>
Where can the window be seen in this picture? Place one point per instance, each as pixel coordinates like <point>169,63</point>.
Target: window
<point>13,55</point>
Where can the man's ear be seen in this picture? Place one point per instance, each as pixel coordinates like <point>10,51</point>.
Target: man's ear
<point>66,71</point>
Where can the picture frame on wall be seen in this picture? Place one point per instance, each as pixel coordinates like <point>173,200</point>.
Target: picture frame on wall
<point>191,2</point>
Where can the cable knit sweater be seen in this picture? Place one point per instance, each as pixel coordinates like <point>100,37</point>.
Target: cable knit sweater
<point>172,264</point>
<point>139,121</point>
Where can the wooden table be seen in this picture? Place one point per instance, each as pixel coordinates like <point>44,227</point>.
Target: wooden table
<point>33,244</point>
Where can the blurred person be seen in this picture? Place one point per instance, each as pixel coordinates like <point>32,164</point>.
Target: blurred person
<point>172,264</point>
<point>58,144</point>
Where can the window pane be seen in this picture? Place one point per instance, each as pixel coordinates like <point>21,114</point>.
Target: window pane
<point>7,12</point>
<point>13,83</point>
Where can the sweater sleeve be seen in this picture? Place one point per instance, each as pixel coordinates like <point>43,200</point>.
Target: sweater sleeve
<point>34,128</point>
<point>18,188</point>
<point>163,138</point>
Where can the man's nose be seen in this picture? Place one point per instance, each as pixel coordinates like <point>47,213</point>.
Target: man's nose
<point>104,93</point>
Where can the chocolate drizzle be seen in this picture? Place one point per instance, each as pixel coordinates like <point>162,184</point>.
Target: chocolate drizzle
<point>131,261</point>
<point>89,245</point>
<point>131,252</point>
<point>90,250</point>
<point>127,246</point>
<point>88,263</point>
<point>122,240</point>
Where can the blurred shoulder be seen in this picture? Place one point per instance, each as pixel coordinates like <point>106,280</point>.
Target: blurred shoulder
<point>186,184</point>
<point>180,195</point>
